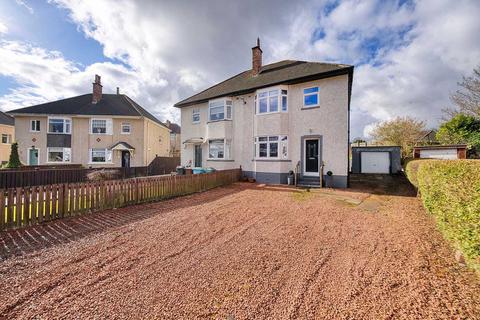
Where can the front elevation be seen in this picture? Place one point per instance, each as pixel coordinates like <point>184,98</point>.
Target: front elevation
<point>286,116</point>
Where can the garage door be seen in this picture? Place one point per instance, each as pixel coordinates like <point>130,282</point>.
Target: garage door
<point>439,154</point>
<point>375,162</point>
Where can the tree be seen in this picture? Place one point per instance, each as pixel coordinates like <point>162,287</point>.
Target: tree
<point>14,161</point>
<point>401,131</point>
<point>461,128</point>
<point>467,98</point>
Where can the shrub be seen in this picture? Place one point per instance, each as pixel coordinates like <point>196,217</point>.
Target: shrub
<point>14,160</point>
<point>104,174</point>
<point>450,190</point>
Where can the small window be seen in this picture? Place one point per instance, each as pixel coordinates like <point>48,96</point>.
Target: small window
<point>59,154</point>
<point>6,138</point>
<point>99,126</point>
<point>35,126</point>
<point>126,128</point>
<point>195,115</point>
<point>270,147</point>
<point>59,125</point>
<point>284,101</point>
<point>311,97</point>
<point>100,155</point>
<point>216,149</point>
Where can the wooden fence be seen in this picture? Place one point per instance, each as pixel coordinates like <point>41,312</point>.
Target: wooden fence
<point>25,206</point>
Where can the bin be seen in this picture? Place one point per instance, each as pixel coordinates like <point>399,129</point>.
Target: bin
<point>180,170</point>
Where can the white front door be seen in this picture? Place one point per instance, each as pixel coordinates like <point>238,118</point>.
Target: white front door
<point>375,162</point>
<point>311,157</point>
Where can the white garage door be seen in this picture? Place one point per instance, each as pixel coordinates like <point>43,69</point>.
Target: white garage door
<point>375,162</point>
<point>439,154</point>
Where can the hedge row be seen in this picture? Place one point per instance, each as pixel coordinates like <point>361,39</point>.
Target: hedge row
<point>450,190</point>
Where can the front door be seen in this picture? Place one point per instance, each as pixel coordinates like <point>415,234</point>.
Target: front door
<point>198,155</point>
<point>33,157</point>
<point>311,157</point>
<point>125,159</point>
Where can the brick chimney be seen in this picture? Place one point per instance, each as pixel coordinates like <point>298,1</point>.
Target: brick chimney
<point>97,89</point>
<point>256,58</point>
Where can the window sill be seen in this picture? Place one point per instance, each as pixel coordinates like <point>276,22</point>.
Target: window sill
<point>93,163</point>
<point>58,162</point>
<point>58,133</point>
<point>312,107</point>
<point>267,113</point>
<point>271,160</point>
<point>126,133</point>
<point>221,160</point>
<point>212,121</point>
<point>101,134</point>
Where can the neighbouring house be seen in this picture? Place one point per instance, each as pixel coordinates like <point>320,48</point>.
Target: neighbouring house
<point>428,138</point>
<point>95,130</point>
<point>376,159</point>
<point>456,151</point>
<point>7,133</point>
<point>272,119</point>
<point>175,138</point>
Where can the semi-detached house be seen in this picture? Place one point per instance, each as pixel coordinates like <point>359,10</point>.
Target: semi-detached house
<point>94,130</point>
<point>272,119</point>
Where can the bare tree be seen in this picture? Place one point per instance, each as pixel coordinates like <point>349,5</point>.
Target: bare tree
<point>401,131</point>
<point>467,98</point>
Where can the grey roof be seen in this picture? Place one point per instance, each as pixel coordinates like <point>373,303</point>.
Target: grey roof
<point>283,72</point>
<point>6,119</point>
<point>109,105</point>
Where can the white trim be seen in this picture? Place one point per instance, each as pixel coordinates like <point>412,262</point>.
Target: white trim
<point>9,138</point>
<point>108,126</point>
<point>227,145</point>
<point>280,143</point>
<point>125,124</point>
<point>196,111</point>
<point>311,94</point>
<point>304,169</point>
<point>225,107</point>
<point>63,156</point>
<point>90,151</point>
<point>28,155</point>
<point>64,124</point>
<point>39,125</point>
<point>279,100</point>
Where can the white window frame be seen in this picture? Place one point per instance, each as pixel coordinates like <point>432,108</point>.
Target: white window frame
<point>227,109</point>
<point>108,126</point>
<point>196,112</point>
<point>126,124</point>
<point>282,147</point>
<point>9,138</point>
<point>66,121</point>
<point>31,125</point>
<point>108,156</point>
<point>226,149</point>
<point>64,152</point>
<point>280,94</point>
<point>311,94</point>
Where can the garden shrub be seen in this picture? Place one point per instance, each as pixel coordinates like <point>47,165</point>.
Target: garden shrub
<point>104,174</point>
<point>450,190</point>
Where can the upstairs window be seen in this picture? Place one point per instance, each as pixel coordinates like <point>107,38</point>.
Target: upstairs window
<point>195,115</point>
<point>35,126</point>
<point>311,97</point>
<point>6,138</point>
<point>101,126</point>
<point>220,110</point>
<point>126,128</point>
<point>59,125</point>
<point>272,101</point>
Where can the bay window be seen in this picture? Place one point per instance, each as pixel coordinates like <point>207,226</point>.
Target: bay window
<point>59,125</point>
<point>100,155</point>
<point>218,149</point>
<point>220,110</point>
<point>271,101</point>
<point>271,147</point>
<point>58,154</point>
<point>311,97</point>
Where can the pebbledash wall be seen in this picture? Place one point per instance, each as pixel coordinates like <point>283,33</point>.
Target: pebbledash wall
<point>329,122</point>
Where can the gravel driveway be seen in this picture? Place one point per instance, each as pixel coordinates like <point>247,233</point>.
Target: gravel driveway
<point>242,252</point>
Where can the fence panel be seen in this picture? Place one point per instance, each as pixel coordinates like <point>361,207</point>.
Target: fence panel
<point>24,206</point>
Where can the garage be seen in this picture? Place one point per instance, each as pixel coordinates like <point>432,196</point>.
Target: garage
<point>445,152</point>
<point>375,162</point>
<point>439,154</point>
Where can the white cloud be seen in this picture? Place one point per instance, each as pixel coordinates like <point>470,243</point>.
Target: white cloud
<point>24,4</point>
<point>408,56</point>
<point>3,28</point>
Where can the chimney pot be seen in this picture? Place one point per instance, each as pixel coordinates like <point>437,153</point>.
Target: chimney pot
<point>256,58</point>
<point>97,89</point>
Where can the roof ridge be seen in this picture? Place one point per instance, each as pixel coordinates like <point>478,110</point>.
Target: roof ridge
<point>133,104</point>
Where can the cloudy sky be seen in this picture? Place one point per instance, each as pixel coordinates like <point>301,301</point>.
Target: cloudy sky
<point>408,55</point>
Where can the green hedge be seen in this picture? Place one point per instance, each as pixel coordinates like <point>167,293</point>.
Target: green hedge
<point>450,190</point>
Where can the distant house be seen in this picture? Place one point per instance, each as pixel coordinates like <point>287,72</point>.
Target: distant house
<point>7,132</point>
<point>271,119</point>
<point>175,138</point>
<point>428,138</point>
<point>95,130</point>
